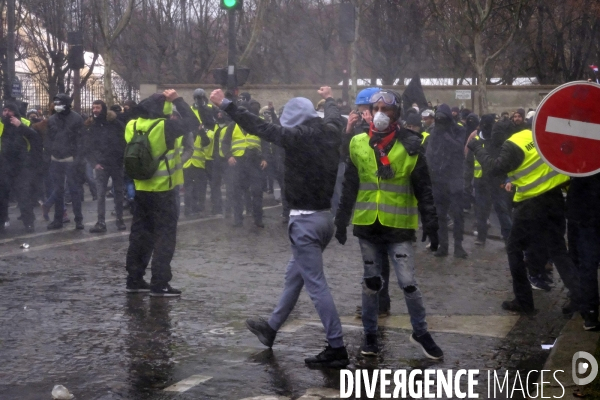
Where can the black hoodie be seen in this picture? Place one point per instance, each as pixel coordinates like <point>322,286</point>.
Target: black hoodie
<point>105,139</point>
<point>17,144</point>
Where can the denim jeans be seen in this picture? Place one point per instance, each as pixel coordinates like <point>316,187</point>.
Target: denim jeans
<point>59,170</point>
<point>309,235</point>
<point>403,260</point>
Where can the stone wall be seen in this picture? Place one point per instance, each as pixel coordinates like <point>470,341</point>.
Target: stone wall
<point>501,98</point>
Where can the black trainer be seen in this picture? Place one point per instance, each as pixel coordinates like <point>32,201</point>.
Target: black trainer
<point>591,321</point>
<point>79,225</point>
<point>98,228</point>
<point>263,331</point>
<point>370,347</point>
<point>329,358</point>
<point>140,286</point>
<point>55,225</point>
<point>428,346</point>
<point>121,225</point>
<point>514,306</point>
<point>164,291</point>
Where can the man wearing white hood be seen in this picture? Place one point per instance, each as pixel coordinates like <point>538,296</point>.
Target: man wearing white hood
<point>311,147</point>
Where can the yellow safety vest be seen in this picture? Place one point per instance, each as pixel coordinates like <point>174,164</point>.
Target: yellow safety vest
<point>162,180</point>
<point>533,177</point>
<point>198,158</point>
<point>25,122</point>
<point>425,136</point>
<point>241,141</point>
<point>477,171</point>
<point>392,201</point>
<point>210,149</point>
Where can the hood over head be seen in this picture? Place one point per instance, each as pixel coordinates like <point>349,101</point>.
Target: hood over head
<point>297,111</point>
<point>486,124</point>
<point>472,122</point>
<point>12,107</point>
<point>152,107</point>
<point>501,131</point>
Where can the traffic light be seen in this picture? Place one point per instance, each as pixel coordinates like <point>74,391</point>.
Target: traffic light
<point>231,4</point>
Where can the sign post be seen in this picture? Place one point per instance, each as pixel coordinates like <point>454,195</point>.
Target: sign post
<point>566,129</point>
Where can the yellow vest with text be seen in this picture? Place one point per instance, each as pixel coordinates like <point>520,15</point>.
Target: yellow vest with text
<point>241,141</point>
<point>534,176</point>
<point>160,182</point>
<point>477,171</point>
<point>392,201</point>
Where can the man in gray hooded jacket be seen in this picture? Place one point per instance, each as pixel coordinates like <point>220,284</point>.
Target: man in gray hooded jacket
<point>311,160</point>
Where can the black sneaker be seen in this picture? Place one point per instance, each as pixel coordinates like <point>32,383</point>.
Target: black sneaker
<point>165,291</point>
<point>140,286</point>
<point>537,282</point>
<point>263,331</point>
<point>55,225</point>
<point>514,306</point>
<point>98,228</point>
<point>79,225</point>
<point>121,225</point>
<point>329,358</point>
<point>370,347</point>
<point>591,321</point>
<point>459,252</point>
<point>428,346</point>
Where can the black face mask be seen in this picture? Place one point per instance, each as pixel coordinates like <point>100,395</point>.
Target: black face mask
<point>442,119</point>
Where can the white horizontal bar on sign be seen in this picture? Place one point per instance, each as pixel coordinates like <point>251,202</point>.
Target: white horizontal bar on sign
<point>571,127</point>
<point>187,383</point>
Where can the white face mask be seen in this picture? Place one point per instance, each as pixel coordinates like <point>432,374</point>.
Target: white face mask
<point>59,108</point>
<point>381,121</point>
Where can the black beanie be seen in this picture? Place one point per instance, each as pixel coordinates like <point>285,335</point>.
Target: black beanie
<point>413,119</point>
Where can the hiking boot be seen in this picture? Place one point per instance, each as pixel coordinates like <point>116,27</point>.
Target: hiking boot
<point>590,319</point>
<point>164,291</point>
<point>442,251</point>
<point>430,349</point>
<point>459,252</point>
<point>55,225</point>
<point>514,306</point>
<point>370,347</point>
<point>263,331</point>
<point>121,225</point>
<point>140,286</point>
<point>79,225</point>
<point>98,228</point>
<point>538,283</point>
<point>329,358</point>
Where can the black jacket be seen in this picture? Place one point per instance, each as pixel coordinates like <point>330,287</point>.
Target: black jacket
<point>420,182</point>
<point>445,153</point>
<point>105,140</point>
<point>583,200</point>
<point>14,154</point>
<point>311,154</point>
<point>65,135</point>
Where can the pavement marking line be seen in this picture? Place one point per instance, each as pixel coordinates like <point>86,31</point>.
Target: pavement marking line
<point>188,383</point>
<point>106,236</point>
<point>571,127</point>
<point>33,235</point>
<point>496,326</point>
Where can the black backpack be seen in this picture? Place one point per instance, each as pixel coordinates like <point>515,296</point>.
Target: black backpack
<point>139,163</point>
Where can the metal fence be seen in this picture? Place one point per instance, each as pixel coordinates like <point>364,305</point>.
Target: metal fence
<point>35,94</point>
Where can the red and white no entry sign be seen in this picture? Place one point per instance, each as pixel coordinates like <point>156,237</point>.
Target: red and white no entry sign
<point>566,129</point>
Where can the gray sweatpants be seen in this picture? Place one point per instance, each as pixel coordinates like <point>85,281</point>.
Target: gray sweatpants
<point>309,235</point>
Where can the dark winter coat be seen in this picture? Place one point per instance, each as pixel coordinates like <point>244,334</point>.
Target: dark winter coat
<point>65,135</point>
<point>311,154</point>
<point>15,154</point>
<point>445,153</point>
<point>105,140</point>
<point>583,200</point>
<point>420,182</point>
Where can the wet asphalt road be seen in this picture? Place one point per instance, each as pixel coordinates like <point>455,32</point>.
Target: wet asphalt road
<point>65,317</point>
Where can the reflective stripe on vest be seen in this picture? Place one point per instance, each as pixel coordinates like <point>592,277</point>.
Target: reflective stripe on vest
<point>477,171</point>
<point>241,141</point>
<point>198,158</point>
<point>391,201</point>
<point>165,178</point>
<point>533,177</point>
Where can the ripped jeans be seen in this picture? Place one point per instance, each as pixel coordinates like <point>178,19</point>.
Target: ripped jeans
<point>403,261</point>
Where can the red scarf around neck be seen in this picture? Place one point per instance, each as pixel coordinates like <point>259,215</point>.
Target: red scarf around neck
<point>381,144</point>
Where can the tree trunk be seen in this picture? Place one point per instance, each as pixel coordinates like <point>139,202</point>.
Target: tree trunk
<point>479,64</point>
<point>353,55</point>
<point>108,92</point>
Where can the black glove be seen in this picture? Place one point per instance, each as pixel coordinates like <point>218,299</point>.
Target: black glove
<point>433,237</point>
<point>340,234</point>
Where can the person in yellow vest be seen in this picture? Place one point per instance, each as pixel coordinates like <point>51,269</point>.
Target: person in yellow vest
<point>17,141</point>
<point>154,225</point>
<point>244,154</point>
<point>387,183</point>
<point>538,213</point>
